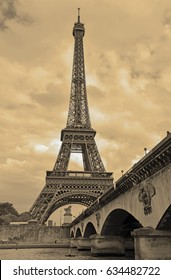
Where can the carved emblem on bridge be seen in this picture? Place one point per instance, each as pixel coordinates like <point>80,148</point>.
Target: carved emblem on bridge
<point>145,194</point>
<point>98,217</point>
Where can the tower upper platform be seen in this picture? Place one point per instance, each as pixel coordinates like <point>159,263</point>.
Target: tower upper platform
<point>78,27</point>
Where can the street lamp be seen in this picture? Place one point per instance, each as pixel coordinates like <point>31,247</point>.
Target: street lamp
<point>145,150</point>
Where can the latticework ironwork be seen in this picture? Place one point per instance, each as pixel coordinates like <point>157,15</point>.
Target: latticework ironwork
<point>74,187</point>
<point>78,115</point>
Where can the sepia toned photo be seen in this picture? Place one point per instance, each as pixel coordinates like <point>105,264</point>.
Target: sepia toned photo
<point>85,124</point>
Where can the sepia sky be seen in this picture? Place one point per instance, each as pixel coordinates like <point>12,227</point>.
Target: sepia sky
<point>127,47</point>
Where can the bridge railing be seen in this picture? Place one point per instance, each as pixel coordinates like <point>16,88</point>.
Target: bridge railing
<point>153,161</point>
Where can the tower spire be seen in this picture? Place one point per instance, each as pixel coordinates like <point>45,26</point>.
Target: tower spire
<point>78,114</point>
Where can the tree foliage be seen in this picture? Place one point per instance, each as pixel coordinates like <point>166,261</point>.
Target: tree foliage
<point>7,208</point>
<point>24,217</point>
<point>9,214</point>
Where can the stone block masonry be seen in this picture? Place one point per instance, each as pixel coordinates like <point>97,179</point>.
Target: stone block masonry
<point>26,233</point>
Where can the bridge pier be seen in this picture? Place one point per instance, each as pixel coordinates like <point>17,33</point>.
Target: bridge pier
<point>83,243</point>
<point>152,244</point>
<point>107,245</point>
<point>73,242</point>
<point>128,243</point>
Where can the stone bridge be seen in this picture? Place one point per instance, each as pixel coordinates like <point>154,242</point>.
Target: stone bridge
<point>135,214</point>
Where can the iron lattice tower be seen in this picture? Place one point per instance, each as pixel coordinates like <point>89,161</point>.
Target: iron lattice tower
<point>78,187</point>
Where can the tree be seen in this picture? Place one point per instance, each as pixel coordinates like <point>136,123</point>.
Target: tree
<point>7,213</point>
<point>6,208</point>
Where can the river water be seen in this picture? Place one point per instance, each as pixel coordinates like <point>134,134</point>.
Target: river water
<point>53,254</point>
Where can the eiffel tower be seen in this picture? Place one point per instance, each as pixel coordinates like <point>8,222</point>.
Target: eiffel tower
<point>74,187</point>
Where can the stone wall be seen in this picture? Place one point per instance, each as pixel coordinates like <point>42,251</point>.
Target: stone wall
<point>34,233</point>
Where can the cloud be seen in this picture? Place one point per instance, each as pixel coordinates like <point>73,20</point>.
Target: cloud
<point>167,18</point>
<point>9,10</point>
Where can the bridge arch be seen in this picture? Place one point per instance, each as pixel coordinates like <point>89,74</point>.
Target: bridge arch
<point>119,222</point>
<point>165,221</point>
<point>72,234</point>
<point>78,232</point>
<point>89,230</point>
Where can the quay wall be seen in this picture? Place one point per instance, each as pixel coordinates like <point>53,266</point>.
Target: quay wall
<point>33,233</point>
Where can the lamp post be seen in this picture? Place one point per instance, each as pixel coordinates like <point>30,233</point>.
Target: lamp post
<point>145,150</point>
<point>60,223</point>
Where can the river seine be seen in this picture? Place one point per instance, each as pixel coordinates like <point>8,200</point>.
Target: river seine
<point>53,254</point>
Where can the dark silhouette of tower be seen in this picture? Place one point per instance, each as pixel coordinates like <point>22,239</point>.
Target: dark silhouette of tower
<point>74,187</point>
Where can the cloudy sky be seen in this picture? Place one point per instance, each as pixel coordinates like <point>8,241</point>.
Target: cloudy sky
<point>128,72</point>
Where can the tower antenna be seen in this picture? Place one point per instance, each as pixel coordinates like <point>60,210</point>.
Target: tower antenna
<point>78,14</point>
